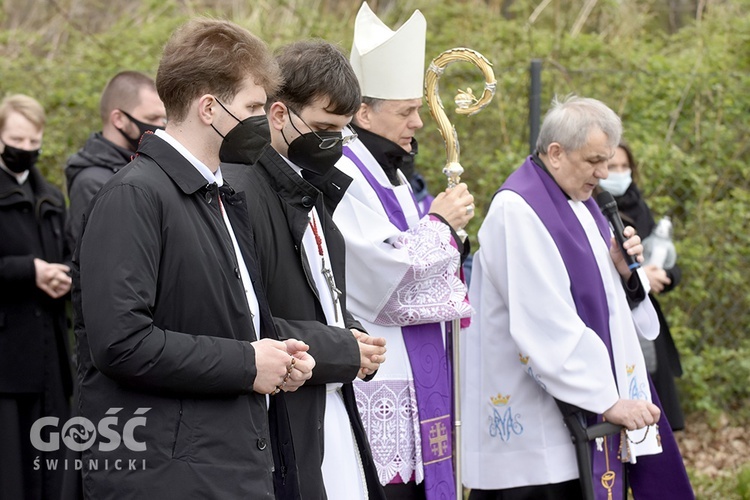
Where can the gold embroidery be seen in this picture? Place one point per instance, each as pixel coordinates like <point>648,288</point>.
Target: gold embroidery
<point>608,478</point>
<point>500,400</point>
<point>438,439</point>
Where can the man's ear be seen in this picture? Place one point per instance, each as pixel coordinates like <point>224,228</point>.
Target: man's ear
<point>206,109</point>
<point>363,116</point>
<point>554,154</point>
<point>118,119</point>
<point>277,115</point>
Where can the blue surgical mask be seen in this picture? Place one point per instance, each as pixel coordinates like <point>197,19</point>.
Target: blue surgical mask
<point>617,182</point>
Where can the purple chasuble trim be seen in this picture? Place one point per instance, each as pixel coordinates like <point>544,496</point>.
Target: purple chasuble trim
<point>661,476</point>
<point>386,196</point>
<point>429,364</point>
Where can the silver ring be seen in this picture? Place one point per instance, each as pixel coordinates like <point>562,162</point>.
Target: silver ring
<point>469,208</point>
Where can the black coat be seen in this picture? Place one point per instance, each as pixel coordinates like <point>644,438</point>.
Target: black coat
<point>279,202</point>
<point>33,330</point>
<point>164,330</point>
<point>35,371</point>
<point>85,173</point>
<point>636,213</point>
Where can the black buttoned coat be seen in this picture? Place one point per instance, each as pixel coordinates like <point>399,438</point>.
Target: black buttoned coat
<point>164,333</point>
<point>32,324</point>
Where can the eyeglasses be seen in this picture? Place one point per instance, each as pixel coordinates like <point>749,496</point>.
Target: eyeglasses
<point>325,142</point>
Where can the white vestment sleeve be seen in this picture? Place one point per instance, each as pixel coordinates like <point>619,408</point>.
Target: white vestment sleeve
<point>411,274</point>
<point>644,315</point>
<point>565,357</point>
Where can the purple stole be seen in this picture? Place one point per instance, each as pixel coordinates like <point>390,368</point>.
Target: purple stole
<point>429,364</point>
<point>661,476</point>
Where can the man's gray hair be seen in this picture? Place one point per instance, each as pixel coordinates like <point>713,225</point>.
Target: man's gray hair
<point>569,122</point>
<point>374,102</point>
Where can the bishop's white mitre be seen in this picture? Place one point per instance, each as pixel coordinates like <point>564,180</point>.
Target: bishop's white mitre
<point>389,64</point>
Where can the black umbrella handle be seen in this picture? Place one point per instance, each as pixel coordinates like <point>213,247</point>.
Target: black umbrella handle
<point>602,429</point>
<point>581,436</point>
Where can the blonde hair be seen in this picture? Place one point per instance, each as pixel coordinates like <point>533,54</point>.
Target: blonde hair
<point>26,106</point>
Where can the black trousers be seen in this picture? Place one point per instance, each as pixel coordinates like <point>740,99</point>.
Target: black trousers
<point>569,490</point>
<point>406,491</point>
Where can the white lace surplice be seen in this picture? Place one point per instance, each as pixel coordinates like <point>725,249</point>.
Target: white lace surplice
<point>430,291</point>
<point>388,409</point>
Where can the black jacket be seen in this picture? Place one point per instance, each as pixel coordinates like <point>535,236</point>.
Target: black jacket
<point>85,173</point>
<point>279,202</point>
<point>164,333</point>
<point>33,330</point>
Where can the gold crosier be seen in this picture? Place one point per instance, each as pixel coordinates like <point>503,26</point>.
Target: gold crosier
<point>466,104</point>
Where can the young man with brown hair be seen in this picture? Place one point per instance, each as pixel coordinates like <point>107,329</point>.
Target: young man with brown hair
<point>169,308</point>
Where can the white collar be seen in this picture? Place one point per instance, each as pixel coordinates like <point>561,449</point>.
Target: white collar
<point>199,165</point>
<point>20,178</point>
<point>294,167</point>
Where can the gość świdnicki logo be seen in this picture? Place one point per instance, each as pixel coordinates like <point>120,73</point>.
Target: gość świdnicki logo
<point>80,434</point>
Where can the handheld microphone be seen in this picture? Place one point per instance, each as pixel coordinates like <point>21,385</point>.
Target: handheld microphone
<point>608,205</point>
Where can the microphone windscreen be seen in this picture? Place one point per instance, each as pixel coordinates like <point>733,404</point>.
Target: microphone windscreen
<point>606,202</point>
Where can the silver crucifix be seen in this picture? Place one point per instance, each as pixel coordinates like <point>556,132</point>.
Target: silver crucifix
<point>335,292</point>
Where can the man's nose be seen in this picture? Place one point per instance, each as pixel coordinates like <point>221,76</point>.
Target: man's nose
<point>601,171</point>
<point>416,122</point>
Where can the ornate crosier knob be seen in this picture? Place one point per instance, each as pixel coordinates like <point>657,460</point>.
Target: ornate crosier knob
<point>453,171</point>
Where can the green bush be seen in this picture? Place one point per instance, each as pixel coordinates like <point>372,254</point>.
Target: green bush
<point>743,483</point>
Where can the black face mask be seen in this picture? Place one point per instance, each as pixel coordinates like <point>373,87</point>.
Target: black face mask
<point>142,129</point>
<point>19,160</point>
<point>246,142</point>
<point>306,153</point>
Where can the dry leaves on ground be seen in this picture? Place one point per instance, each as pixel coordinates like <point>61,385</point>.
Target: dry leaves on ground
<point>717,450</point>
